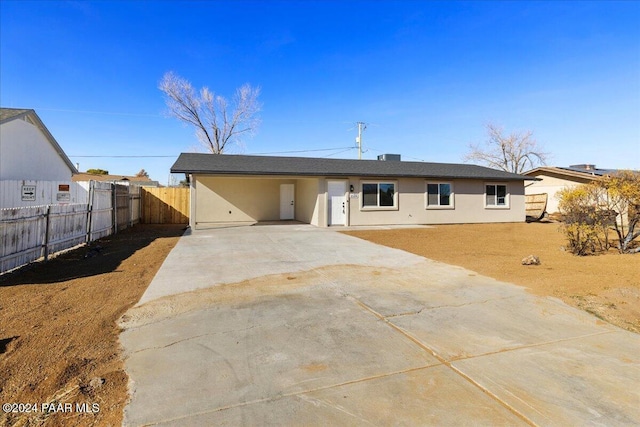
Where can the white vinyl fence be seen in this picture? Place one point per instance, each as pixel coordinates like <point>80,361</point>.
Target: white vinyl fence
<point>31,233</point>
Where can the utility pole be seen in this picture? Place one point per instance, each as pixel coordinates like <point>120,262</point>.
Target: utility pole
<point>361,127</point>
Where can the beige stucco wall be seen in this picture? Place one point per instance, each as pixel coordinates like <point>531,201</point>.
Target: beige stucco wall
<point>308,191</point>
<point>468,206</point>
<point>220,199</point>
<point>551,185</point>
<point>251,199</point>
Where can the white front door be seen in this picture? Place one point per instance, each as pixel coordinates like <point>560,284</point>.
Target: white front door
<point>337,202</point>
<point>287,201</point>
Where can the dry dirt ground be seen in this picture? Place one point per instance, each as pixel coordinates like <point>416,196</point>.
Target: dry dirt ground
<point>58,334</point>
<point>607,286</point>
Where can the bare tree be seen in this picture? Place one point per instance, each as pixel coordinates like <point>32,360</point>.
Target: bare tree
<point>217,122</point>
<point>517,152</point>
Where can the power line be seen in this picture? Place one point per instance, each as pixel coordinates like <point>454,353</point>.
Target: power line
<point>111,113</point>
<point>174,156</point>
<point>117,157</point>
<point>339,152</point>
<point>302,151</point>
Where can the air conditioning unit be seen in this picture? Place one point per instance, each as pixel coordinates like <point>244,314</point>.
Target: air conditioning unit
<point>389,157</point>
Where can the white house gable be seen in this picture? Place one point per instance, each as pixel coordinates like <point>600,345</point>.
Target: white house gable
<point>28,152</point>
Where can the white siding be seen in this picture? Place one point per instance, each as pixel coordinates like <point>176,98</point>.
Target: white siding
<point>47,193</point>
<point>26,153</point>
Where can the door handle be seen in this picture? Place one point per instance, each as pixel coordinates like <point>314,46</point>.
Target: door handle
<point>292,203</point>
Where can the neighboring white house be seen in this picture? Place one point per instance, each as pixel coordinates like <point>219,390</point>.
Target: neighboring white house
<point>550,180</point>
<point>141,181</point>
<point>28,151</point>
<point>328,192</point>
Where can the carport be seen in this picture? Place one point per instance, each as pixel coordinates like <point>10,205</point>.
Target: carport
<point>250,199</point>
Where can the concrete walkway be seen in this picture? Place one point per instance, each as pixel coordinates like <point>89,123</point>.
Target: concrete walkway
<point>295,325</point>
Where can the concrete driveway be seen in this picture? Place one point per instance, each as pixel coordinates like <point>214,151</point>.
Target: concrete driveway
<point>295,325</point>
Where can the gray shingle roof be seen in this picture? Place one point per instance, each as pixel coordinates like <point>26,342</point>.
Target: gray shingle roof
<point>197,163</point>
<point>9,113</point>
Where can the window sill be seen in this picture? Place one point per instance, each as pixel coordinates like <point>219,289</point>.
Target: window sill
<point>378,208</point>
<point>440,208</point>
<point>498,207</point>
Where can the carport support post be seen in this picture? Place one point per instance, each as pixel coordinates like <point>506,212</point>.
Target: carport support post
<point>192,201</point>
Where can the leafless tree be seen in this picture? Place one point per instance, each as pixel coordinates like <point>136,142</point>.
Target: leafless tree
<point>217,123</point>
<point>517,152</point>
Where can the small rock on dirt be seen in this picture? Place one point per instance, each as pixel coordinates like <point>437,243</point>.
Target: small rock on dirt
<point>94,384</point>
<point>531,260</point>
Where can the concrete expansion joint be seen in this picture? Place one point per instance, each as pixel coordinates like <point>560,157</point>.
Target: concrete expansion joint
<point>299,394</point>
<point>415,312</point>
<point>408,313</point>
<point>488,300</point>
<point>447,363</point>
<point>534,345</point>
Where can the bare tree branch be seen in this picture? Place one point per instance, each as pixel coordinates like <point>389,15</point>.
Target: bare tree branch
<point>515,153</point>
<point>217,124</point>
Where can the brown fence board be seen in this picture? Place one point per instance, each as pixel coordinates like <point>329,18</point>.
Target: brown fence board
<point>536,205</point>
<point>165,205</point>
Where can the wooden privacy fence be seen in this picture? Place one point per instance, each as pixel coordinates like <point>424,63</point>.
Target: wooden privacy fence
<point>535,206</point>
<point>30,233</point>
<point>165,205</point>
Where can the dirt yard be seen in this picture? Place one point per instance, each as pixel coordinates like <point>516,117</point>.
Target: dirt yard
<point>607,286</point>
<point>58,333</point>
<point>58,336</point>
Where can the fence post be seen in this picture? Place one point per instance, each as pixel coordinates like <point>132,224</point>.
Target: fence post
<point>114,207</point>
<point>46,233</point>
<point>90,211</point>
<point>142,193</point>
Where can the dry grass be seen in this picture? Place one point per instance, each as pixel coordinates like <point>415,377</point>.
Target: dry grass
<point>58,327</point>
<point>607,286</point>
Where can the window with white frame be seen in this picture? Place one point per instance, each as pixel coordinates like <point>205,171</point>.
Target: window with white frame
<point>439,195</point>
<point>496,195</point>
<point>378,194</point>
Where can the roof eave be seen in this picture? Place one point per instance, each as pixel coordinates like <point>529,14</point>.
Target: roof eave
<point>564,172</point>
<point>344,175</point>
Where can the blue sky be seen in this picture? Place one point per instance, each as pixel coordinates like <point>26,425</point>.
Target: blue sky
<point>425,76</point>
